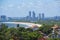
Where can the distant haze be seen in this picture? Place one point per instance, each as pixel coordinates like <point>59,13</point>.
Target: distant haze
<point>20,8</point>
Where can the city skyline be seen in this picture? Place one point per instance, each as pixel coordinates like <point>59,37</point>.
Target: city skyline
<point>20,8</point>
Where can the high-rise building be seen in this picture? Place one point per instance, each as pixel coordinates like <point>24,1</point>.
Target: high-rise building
<point>33,14</point>
<point>29,13</point>
<point>29,16</point>
<point>3,18</point>
<point>39,17</point>
<point>42,16</point>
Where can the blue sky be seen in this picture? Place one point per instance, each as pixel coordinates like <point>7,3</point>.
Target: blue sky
<point>20,8</point>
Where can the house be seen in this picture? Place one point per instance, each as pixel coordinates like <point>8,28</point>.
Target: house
<point>34,27</point>
<point>55,32</point>
<point>42,38</point>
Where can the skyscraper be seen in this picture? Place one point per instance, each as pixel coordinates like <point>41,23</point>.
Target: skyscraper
<point>29,17</point>
<point>42,16</point>
<point>33,14</point>
<point>3,18</point>
<point>39,17</point>
<point>29,13</point>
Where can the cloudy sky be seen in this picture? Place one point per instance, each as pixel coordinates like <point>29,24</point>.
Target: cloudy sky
<point>20,8</point>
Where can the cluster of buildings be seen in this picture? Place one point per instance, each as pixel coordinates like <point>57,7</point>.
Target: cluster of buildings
<point>31,17</point>
<point>53,35</point>
<point>3,18</point>
<point>55,32</point>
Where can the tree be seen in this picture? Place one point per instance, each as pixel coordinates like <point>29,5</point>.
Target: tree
<point>29,29</point>
<point>46,29</point>
<point>17,25</point>
<point>3,30</point>
<point>21,29</point>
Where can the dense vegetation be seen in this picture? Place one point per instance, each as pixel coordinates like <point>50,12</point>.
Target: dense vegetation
<point>18,33</point>
<point>21,33</point>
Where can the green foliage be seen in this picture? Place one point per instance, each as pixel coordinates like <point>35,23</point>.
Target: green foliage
<point>53,39</point>
<point>46,28</point>
<point>18,33</point>
<point>21,33</point>
<point>3,30</point>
